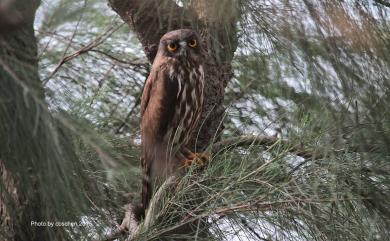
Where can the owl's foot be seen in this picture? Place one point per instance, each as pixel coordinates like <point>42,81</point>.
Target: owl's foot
<point>199,158</point>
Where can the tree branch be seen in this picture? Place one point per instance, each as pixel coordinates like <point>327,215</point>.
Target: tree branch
<point>258,205</point>
<point>299,150</point>
<point>218,148</point>
<point>136,63</point>
<point>130,225</point>
<point>96,42</point>
<point>248,140</point>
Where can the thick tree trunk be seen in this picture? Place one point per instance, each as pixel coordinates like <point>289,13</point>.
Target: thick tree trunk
<point>19,81</point>
<point>9,194</point>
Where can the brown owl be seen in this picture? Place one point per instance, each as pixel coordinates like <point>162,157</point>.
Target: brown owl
<point>171,105</point>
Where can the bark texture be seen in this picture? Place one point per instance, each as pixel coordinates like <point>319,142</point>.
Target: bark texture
<point>8,194</point>
<point>19,80</point>
<point>215,21</point>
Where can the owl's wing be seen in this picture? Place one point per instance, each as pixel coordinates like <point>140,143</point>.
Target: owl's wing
<point>146,93</point>
<point>159,100</point>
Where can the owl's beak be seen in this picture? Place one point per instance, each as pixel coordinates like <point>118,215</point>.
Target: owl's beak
<point>183,49</point>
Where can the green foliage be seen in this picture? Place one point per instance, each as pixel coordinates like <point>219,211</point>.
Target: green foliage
<point>327,60</point>
<point>257,197</point>
<point>314,73</point>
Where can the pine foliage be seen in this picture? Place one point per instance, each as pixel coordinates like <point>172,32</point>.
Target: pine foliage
<point>305,150</point>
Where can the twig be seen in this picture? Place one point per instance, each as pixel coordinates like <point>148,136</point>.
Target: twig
<point>258,205</point>
<point>75,30</point>
<point>129,224</point>
<point>137,102</point>
<point>99,40</point>
<point>252,230</point>
<point>137,63</point>
<point>153,209</point>
<point>299,150</point>
<point>248,140</point>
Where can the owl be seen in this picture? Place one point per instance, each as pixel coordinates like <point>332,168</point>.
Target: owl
<point>171,106</point>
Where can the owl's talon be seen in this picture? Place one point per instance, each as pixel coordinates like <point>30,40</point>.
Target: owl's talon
<point>187,153</point>
<point>199,162</point>
<point>203,156</point>
<point>200,159</point>
<point>187,162</point>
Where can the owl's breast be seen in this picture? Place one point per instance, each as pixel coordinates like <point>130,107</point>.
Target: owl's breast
<point>190,82</point>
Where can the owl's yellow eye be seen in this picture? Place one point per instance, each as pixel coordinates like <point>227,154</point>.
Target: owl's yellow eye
<point>172,47</point>
<point>192,43</point>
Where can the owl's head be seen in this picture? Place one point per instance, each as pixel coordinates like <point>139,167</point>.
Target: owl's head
<point>181,44</point>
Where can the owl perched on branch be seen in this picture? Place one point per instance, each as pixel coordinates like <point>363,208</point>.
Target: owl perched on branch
<point>171,106</point>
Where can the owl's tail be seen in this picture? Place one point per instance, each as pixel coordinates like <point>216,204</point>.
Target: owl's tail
<point>146,187</point>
